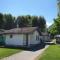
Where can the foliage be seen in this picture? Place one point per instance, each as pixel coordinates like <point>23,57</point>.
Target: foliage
<point>42,23</point>
<point>1,21</point>
<point>57,23</point>
<point>55,27</point>
<point>39,22</point>
<point>7,21</point>
<point>23,21</point>
<point>34,21</point>
<point>52,29</point>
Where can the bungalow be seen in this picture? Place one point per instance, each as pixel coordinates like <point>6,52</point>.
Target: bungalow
<point>26,36</point>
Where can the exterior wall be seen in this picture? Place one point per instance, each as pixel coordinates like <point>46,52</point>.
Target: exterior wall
<point>20,39</point>
<point>32,38</point>
<point>24,39</point>
<point>2,39</point>
<point>46,38</point>
<point>17,39</point>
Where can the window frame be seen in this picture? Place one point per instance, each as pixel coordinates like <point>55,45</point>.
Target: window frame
<point>11,36</point>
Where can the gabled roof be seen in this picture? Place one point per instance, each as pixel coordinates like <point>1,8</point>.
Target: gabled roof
<point>23,30</point>
<point>1,31</point>
<point>44,33</point>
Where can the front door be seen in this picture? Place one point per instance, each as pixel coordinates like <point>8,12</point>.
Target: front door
<point>2,40</point>
<point>26,39</point>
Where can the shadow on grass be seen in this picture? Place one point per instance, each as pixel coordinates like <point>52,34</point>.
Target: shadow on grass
<point>32,48</point>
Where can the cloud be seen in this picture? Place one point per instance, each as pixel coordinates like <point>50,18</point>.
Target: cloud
<point>49,24</point>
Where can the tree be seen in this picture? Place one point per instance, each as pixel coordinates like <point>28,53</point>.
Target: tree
<point>9,21</point>
<point>23,21</point>
<point>57,23</point>
<point>52,30</point>
<point>19,21</point>
<point>55,27</point>
<point>29,20</point>
<point>1,21</point>
<point>42,23</point>
<point>35,21</point>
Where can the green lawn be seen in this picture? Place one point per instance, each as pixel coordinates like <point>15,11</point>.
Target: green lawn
<point>52,53</point>
<point>4,52</point>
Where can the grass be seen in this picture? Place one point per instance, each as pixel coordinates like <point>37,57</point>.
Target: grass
<point>4,52</point>
<point>52,53</point>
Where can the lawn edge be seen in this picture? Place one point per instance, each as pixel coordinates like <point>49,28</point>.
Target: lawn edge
<point>39,56</point>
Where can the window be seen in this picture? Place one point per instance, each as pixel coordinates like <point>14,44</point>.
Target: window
<point>11,36</point>
<point>37,37</point>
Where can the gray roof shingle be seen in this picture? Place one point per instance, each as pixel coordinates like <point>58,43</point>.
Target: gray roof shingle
<point>23,30</point>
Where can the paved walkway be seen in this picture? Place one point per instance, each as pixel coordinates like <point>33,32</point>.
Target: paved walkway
<point>26,55</point>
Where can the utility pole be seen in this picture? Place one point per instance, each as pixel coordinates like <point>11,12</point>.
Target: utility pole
<point>58,3</point>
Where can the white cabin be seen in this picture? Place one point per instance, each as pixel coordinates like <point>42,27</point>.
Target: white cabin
<point>26,36</point>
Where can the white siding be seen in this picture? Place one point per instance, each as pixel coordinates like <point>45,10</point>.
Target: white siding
<point>46,38</point>
<point>16,39</point>
<point>24,39</point>
<point>32,38</point>
<point>20,39</point>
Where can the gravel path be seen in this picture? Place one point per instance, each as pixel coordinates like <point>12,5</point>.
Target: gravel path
<point>26,55</point>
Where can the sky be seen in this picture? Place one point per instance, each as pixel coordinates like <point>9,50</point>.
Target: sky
<point>46,8</point>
